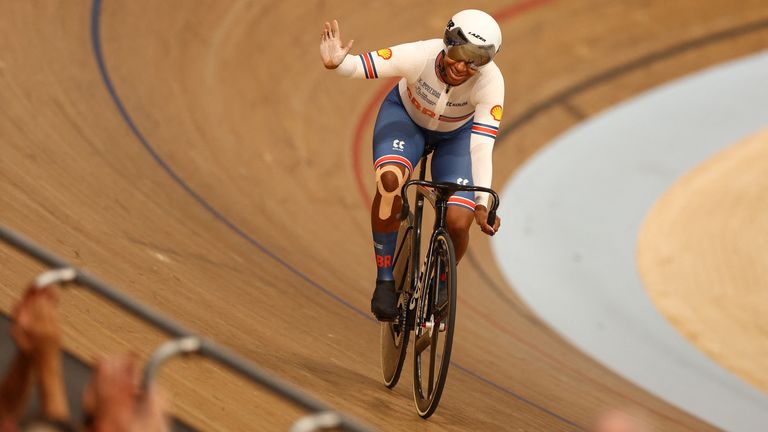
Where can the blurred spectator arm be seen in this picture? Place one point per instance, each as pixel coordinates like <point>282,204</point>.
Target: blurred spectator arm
<point>53,396</point>
<point>15,389</point>
<point>37,335</point>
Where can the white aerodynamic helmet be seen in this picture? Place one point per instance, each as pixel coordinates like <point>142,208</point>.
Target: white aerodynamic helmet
<point>472,36</point>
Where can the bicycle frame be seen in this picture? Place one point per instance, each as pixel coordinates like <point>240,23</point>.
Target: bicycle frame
<point>418,282</point>
<point>443,191</point>
<point>416,235</point>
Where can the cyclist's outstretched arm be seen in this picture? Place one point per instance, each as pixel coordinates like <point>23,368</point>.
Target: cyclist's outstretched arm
<point>404,60</point>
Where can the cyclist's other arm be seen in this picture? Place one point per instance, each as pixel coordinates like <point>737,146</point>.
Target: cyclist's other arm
<point>485,127</point>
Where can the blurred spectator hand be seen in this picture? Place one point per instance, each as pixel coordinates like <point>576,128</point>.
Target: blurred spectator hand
<point>153,412</point>
<point>115,402</point>
<point>35,329</point>
<point>35,326</point>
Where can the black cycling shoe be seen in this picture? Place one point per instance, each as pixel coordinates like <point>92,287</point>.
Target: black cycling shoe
<point>384,301</point>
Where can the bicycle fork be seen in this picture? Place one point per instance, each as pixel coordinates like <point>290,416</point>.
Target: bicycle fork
<point>421,288</point>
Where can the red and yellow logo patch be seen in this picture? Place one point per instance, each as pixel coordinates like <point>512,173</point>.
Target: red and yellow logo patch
<point>385,53</point>
<point>496,112</point>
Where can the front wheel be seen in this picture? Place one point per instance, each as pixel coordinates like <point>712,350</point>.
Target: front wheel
<point>434,325</point>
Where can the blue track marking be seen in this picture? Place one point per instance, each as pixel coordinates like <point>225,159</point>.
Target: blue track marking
<point>99,56</point>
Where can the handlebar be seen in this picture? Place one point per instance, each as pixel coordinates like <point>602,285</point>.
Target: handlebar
<point>445,190</point>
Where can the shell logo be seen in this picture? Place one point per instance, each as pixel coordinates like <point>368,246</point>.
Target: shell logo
<point>385,53</point>
<point>496,112</point>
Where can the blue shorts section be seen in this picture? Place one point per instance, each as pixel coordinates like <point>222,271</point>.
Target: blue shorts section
<point>397,139</point>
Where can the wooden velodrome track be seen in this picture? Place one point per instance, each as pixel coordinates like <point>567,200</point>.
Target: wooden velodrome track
<point>226,194</point>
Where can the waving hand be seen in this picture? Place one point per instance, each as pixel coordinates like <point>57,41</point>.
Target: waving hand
<point>331,50</point>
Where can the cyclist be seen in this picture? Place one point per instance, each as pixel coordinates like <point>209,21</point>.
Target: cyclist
<point>450,97</point>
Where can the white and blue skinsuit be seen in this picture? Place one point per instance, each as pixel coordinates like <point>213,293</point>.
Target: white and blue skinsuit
<point>461,122</point>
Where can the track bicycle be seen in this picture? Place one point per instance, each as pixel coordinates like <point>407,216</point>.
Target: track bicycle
<point>426,293</point>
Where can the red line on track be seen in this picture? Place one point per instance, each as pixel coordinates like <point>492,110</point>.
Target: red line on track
<point>518,9</point>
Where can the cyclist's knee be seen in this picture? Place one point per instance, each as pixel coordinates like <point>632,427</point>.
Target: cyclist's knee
<point>458,219</point>
<point>389,179</point>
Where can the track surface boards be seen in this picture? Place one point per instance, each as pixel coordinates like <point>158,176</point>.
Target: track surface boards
<point>233,99</point>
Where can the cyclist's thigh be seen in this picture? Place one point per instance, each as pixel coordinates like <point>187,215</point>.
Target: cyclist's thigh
<point>396,138</point>
<point>452,162</point>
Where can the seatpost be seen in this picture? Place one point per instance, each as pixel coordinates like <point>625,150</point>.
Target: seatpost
<point>441,210</point>
<point>423,167</point>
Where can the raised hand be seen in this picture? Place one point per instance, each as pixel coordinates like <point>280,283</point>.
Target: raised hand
<point>331,50</point>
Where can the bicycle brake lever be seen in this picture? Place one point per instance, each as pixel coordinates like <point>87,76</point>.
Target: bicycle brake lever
<point>491,218</point>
